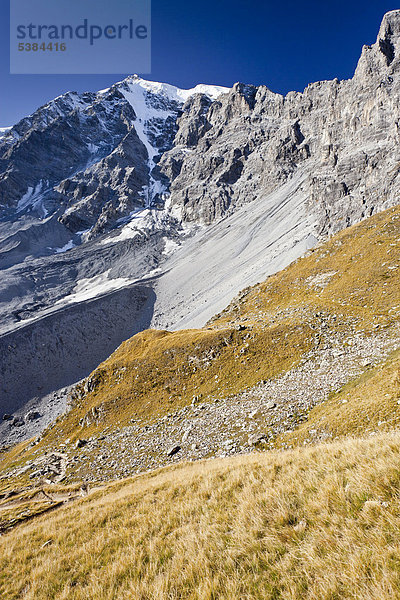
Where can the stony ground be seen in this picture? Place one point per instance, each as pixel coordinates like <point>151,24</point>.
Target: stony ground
<point>219,426</point>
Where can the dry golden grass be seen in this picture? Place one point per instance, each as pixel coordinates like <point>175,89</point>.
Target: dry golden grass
<point>320,523</point>
<point>23,504</point>
<point>11,456</point>
<point>361,266</point>
<point>157,371</point>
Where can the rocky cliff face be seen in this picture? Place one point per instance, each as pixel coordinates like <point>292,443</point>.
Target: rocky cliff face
<point>343,134</point>
<point>95,158</point>
<point>91,158</point>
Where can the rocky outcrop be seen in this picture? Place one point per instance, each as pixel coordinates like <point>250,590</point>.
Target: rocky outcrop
<point>108,190</point>
<point>61,138</point>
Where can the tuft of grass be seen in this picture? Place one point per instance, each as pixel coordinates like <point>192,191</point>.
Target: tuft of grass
<point>316,523</point>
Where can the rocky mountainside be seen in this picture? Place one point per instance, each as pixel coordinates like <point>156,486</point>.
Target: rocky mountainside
<point>148,205</point>
<point>308,355</point>
<point>91,158</point>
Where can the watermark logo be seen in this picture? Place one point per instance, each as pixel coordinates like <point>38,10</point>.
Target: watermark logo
<point>80,36</point>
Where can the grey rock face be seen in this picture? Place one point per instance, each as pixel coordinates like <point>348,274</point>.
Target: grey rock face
<point>65,346</point>
<point>193,123</point>
<point>345,133</point>
<point>80,156</point>
<point>107,191</point>
<point>58,140</point>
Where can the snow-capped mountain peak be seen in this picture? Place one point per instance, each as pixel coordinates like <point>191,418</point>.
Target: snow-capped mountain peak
<point>129,126</point>
<point>172,92</point>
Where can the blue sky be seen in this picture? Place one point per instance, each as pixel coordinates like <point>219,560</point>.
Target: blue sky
<point>284,45</point>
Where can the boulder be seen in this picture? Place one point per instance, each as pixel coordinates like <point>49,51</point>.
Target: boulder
<point>173,450</point>
<point>257,438</point>
<point>80,443</point>
<point>32,415</point>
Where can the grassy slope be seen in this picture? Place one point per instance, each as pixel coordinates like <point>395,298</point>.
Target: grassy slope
<point>158,371</point>
<point>313,523</point>
<point>303,524</point>
<point>362,285</point>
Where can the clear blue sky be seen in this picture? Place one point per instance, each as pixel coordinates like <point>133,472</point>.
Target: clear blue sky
<point>284,45</point>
